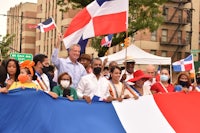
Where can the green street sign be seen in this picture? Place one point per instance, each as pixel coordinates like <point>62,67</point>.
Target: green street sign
<point>21,56</point>
<point>195,51</point>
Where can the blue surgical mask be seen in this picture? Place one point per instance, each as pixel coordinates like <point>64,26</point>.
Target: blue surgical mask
<point>164,77</point>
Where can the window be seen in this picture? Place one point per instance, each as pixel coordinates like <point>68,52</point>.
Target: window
<point>39,35</point>
<point>179,37</point>
<point>188,38</point>
<point>164,35</point>
<point>39,48</point>
<point>164,53</point>
<point>165,12</point>
<point>179,16</point>
<point>40,8</point>
<point>153,52</point>
<point>153,36</point>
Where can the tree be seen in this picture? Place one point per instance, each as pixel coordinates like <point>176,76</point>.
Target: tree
<point>5,45</point>
<point>142,14</point>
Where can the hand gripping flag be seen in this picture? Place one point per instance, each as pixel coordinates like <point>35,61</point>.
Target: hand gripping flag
<point>106,41</point>
<point>47,25</point>
<point>100,17</point>
<point>186,64</point>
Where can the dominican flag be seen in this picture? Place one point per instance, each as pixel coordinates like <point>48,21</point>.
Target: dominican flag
<point>31,111</point>
<point>98,18</point>
<point>47,25</point>
<point>186,64</point>
<point>106,41</point>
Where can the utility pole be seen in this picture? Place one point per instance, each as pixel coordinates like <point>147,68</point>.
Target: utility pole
<point>21,29</point>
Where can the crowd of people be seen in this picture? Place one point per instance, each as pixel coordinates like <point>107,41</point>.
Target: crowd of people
<point>81,77</point>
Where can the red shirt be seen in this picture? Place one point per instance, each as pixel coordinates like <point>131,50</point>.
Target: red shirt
<point>157,87</point>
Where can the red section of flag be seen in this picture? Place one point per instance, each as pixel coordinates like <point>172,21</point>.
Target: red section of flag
<point>112,23</point>
<point>188,67</point>
<point>52,26</point>
<point>78,22</point>
<point>179,110</point>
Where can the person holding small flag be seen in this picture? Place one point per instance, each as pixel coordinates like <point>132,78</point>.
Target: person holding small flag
<point>183,83</point>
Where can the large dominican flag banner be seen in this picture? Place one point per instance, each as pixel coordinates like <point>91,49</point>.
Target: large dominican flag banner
<point>99,18</point>
<point>31,111</point>
<point>186,64</point>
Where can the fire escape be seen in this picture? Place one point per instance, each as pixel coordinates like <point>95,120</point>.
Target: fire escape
<point>176,17</point>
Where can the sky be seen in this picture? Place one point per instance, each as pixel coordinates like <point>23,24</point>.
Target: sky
<point>4,7</point>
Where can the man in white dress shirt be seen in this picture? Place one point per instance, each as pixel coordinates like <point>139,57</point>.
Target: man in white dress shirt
<point>94,84</point>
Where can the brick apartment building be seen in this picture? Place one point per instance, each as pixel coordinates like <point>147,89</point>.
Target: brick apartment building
<point>175,38</point>
<point>18,20</point>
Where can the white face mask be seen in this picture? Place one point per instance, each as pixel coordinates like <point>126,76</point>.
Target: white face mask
<point>64,83</point>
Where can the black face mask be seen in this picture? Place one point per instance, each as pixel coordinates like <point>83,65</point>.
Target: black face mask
<point>45,69</point>
<point>184,84</point>
<point>97,70</point>
<point>198,80</point>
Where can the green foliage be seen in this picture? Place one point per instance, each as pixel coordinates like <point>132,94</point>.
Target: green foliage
<point>5,45</point>
<point>72,4</point>
<point>142,14</point>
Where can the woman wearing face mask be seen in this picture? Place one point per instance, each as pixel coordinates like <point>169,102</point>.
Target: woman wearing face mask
<point>163,86</point>
<point>183,82</point>
<point>64,89</point>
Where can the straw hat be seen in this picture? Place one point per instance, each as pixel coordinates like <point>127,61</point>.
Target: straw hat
<point>129,59</point>
<point>139,75</point>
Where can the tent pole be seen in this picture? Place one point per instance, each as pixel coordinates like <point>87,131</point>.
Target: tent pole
<point>171,72</point>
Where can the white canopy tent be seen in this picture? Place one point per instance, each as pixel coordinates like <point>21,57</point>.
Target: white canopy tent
<point>139,55</point>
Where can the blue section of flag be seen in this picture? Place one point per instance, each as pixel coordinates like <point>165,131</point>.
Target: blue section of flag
<point>48,21</point>
<point>189,58</point>
<point>110,36</point>
<point>177,68</point>
<point>100,2</point>
<point>83,44</point>
<point>31,111</point>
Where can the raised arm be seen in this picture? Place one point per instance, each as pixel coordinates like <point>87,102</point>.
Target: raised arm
<point>54,57</point>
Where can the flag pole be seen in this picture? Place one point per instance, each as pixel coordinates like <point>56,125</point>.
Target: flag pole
<point>126,51</point>
<point>126,47</point>
<point>194,69</point>
<point>171,73</point>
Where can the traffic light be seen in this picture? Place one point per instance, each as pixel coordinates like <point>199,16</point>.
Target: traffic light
<point>126,42</point>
